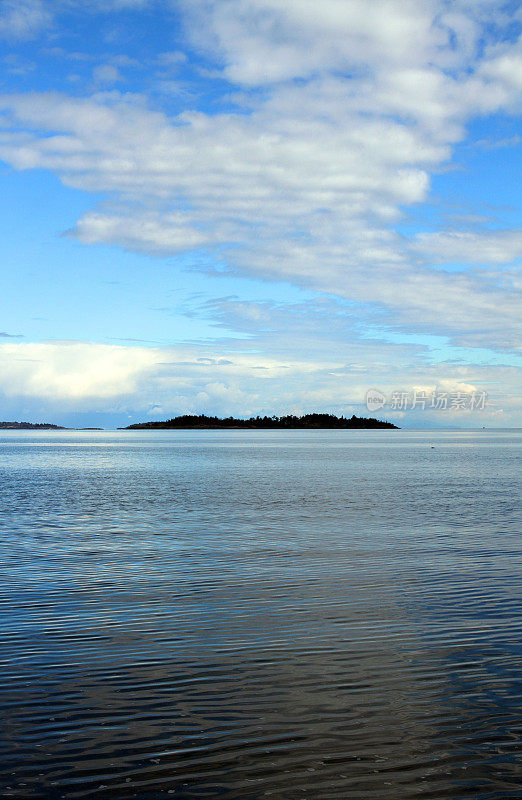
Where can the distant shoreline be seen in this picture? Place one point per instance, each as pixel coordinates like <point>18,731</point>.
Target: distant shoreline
<point>40,426</point>
<point>31,426</point>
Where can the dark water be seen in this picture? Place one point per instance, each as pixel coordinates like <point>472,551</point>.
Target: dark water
<point>261,614</point>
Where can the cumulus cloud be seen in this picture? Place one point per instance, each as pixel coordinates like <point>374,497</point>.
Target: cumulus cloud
<point>356,104</point>
<point>294,358</point>
<point>265,41</point>
<point>71,371</point>
<point>306,198</point>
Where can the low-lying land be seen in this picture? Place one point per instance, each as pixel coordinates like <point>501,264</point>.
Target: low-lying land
<point>29,426</point>
<point>307,421</point>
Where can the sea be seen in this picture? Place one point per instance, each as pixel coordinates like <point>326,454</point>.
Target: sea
<point>240,615</point>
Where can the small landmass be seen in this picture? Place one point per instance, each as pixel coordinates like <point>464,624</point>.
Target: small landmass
<point>29,426</point>
<point>307,421</point>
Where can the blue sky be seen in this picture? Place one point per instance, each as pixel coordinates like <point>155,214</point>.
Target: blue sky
<point>248,206</point>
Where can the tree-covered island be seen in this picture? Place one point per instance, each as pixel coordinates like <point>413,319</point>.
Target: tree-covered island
<point>307,421</point>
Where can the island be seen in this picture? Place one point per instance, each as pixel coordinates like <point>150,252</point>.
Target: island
<point>288,422</point>
<point>30,426</point>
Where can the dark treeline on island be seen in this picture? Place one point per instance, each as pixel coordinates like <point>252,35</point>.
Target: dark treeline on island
<point>30,426</point>
<point>308,421</point>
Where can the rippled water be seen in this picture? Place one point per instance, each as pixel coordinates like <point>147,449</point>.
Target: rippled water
<point>261,614</point>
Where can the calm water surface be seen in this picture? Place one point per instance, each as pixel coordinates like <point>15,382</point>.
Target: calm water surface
<point>261,614</point>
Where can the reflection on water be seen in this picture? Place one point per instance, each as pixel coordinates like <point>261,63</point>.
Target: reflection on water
<point>261,614</point>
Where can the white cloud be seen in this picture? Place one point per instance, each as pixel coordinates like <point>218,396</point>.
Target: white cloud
<point>496,144</point>
<point>106,73</point>
<point>484,247</point>
<point>300,358</point>
<point>28,19</point>
<point>23,19</point>
<point>265,41</point>
<point>305,178</point>
<point>145,232</point>
<point>71,371</point>
<point>505,68</point>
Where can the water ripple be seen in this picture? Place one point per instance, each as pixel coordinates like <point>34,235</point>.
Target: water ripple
<point>243,616</point>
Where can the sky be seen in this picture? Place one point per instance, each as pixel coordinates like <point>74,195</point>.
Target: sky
<point>256,207</point>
